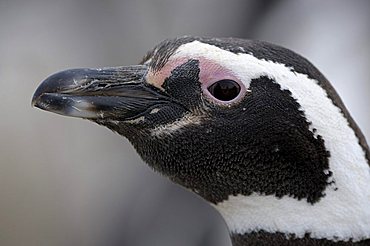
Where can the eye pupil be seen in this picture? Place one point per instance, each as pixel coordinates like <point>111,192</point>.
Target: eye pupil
<point>225,90</point>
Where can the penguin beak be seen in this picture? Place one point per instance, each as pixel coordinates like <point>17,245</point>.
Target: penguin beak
<point>114,93</point>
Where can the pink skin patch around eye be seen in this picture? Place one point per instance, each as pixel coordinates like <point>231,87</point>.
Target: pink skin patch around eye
<point>210,72</point>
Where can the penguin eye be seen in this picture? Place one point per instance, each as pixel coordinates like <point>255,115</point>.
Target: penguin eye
<point>224,90</point>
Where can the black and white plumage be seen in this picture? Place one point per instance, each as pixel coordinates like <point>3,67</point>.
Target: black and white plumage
<point>253,128</point>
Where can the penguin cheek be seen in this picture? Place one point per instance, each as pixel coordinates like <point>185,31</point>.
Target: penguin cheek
<point>163,115</point>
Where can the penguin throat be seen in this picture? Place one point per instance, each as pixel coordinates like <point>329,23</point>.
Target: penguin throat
<point>335,217</point>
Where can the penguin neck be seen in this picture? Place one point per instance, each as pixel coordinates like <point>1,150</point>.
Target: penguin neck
<point>257,220</point>
<point>342,214</point>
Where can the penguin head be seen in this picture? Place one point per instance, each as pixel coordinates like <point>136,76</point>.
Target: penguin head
<point>253,128</point>
<point>216,116</point>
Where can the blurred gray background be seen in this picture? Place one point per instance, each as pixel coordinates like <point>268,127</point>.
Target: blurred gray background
<point>70,182</point>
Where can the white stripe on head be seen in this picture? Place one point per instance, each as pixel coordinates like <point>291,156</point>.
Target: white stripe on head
<point>342,214</point>
<point>170,128</point>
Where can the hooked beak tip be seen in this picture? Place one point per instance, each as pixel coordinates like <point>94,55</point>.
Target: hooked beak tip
<point>56,83</point>
<point>36,99</point>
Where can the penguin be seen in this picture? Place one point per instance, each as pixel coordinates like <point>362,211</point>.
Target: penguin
<point>253,128</point>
